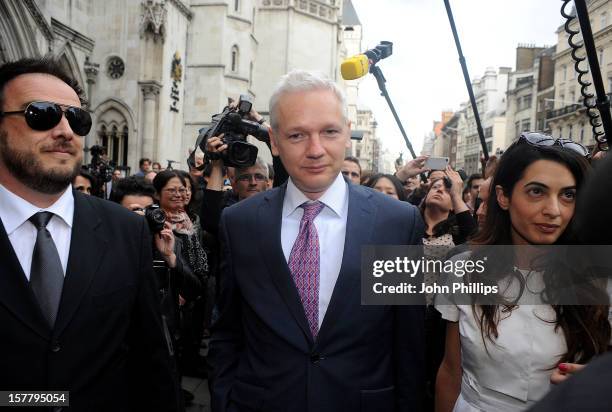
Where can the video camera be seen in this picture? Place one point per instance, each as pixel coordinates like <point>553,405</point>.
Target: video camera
<point>234,126</point>
<point>100,168</point>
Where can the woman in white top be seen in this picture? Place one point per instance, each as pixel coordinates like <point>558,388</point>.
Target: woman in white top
<point>501,358</point>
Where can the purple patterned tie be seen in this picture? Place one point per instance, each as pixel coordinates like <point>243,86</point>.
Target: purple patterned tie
<point>304,264</point>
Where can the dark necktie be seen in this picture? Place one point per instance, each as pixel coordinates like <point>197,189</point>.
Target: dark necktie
<point>304,264</point>
<point>46,273</point>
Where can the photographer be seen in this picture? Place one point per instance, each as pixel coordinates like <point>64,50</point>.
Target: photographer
<point>101,169</point>
<point>246,182</point>
<point>200,183</point>
<point>174,276</point>
<point>248,175</point>
<point>171,191</point>
<point>277,173</point>
<point>135,194</point>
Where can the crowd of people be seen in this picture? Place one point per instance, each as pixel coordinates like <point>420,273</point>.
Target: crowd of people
<point>261,263</point>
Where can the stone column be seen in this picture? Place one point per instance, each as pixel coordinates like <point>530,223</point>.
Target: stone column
<point>150,91</point>
<point>91,71</point>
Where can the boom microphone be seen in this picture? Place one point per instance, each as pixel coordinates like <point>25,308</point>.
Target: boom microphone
<point>355,67</point>
<point>359,65</point>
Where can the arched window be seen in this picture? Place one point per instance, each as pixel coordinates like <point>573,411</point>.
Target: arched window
<point>113,134</point>
<point>103,136</point>
<point>564,70</point>
<point>124,138</point>
<point>234,58</point>
<point>115,144</point>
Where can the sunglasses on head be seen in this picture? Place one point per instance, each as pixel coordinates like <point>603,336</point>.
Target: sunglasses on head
<point>44,116</point>
<point>538,139</point>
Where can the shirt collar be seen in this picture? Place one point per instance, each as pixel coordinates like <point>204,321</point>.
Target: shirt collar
<point>14,210</point>
<point>334,198</point>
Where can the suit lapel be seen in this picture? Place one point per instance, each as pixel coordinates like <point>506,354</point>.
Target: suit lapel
<point>359,224</point>
<point>15,292</point>
<point>87,247</point>
<point>269,222</point>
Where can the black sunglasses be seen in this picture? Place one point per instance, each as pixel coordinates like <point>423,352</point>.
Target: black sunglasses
<point>43,116</point>
<point>538,139</point>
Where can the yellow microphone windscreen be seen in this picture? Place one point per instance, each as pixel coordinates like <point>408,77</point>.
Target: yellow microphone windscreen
<point>355,67</point>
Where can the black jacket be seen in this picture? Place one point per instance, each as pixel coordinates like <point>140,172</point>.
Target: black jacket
<point>107,348</point>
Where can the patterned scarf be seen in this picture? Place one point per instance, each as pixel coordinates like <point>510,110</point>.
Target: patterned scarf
<point>192,250</point>
<point>180,221</point>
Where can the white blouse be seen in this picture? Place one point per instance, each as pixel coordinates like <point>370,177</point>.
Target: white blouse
<point>513,372</point>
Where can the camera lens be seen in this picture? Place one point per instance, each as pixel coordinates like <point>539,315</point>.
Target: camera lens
<point>156,218</point>
<point>242,154</point>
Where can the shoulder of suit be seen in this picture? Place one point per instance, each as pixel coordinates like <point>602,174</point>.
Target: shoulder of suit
<point>107,210</point>
<point>386,201</point>
<point>252,202</point>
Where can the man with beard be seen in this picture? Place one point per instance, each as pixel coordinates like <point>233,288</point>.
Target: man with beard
<point>78,304</point>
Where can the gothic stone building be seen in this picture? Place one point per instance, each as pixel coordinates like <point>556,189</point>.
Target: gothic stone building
<point>156,70</point>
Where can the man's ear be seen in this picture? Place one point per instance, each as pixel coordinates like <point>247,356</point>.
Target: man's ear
<point>273,141</point>
<point>348,140</point>
<point>502,200</point>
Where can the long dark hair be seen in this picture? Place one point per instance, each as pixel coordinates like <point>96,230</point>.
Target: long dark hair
<point>497,226</point>
<point>399,188</point>
<point>586,328</point>
<point>448,225</point>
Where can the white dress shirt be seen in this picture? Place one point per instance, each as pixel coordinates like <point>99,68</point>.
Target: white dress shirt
<point>331,228</point>
<point>15,212</point>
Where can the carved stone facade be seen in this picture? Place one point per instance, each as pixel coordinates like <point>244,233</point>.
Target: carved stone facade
<point>146,101</point>
<point>154,20</point>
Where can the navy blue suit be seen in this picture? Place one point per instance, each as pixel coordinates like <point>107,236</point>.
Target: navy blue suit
<point>263,357</point>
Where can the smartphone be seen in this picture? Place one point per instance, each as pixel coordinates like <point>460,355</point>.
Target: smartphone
<point>436,163</point>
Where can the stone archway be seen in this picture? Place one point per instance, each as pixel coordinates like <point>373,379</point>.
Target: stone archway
<point>114,129</point>
<point>113,133</point>
<point>70,64</point>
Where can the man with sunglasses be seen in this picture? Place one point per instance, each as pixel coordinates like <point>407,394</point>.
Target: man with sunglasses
<point>78,304</point>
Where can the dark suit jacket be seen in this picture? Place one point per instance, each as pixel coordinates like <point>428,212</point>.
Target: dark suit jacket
<point>588,390</point>
<point>107,348</point>
<point>263,357</point>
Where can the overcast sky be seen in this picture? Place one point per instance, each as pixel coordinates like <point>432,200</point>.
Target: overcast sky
<point>423,74</point>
